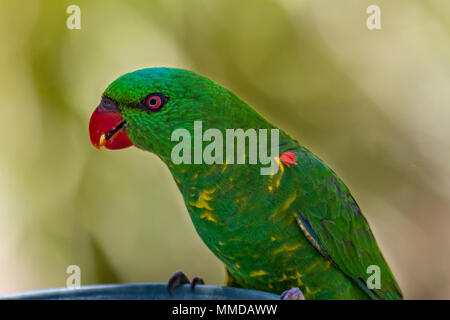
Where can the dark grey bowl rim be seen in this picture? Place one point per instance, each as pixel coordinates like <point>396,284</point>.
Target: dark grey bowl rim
<point>142,291</point>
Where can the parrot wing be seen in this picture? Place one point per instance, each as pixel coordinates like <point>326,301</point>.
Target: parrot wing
<point>332,221</point>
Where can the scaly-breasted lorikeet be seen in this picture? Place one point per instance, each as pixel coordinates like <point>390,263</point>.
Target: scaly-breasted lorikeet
<point>297,228</point>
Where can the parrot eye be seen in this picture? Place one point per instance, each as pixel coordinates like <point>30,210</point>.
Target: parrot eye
<point>155,101</point>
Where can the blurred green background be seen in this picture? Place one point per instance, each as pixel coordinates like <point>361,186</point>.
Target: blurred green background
<point>373,104</point>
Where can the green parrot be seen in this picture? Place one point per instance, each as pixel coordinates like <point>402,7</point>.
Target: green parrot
<point>296,231</point>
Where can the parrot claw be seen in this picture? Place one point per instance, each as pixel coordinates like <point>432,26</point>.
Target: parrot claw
<point>179,278</point>
<point>292,294</point>
<point>195,281</point>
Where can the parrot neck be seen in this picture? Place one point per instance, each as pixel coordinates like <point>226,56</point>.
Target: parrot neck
<point>200,173</point>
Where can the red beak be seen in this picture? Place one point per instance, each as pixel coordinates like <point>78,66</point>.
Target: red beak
<point>107,128</point>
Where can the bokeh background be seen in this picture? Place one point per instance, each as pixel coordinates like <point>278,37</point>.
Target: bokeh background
<point>375,105</point>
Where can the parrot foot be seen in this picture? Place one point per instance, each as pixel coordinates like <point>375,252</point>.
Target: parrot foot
<point>195,281</point>
<point>179,278</point>
<point>292,294</point>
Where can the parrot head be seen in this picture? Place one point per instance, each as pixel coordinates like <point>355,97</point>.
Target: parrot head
<point>144,107</point>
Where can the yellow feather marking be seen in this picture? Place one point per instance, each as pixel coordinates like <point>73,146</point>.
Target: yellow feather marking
<point>293,247</point>
<point>280,164</point>
<point>208,215</point>
<point>313,265</point>
<point>201,203</point>
<point>275,180</point>
<point>257,273</point>
<point>278,251</point>
<point>288,202</point>
<point>203,198</point>
<point>280,174</point>
<point>272,238</point>
<point>290,220</point>
<point>299,278</point>
<point>237,266</point>
<point>224,167</point>
<point>285,205</point>
<point>308,291</point>
<point>287,248</point>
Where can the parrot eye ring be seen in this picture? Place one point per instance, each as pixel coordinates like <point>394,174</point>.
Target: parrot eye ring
<point>155,101</point>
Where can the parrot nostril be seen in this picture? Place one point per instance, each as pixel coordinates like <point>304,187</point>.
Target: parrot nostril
<point>108,104</point>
